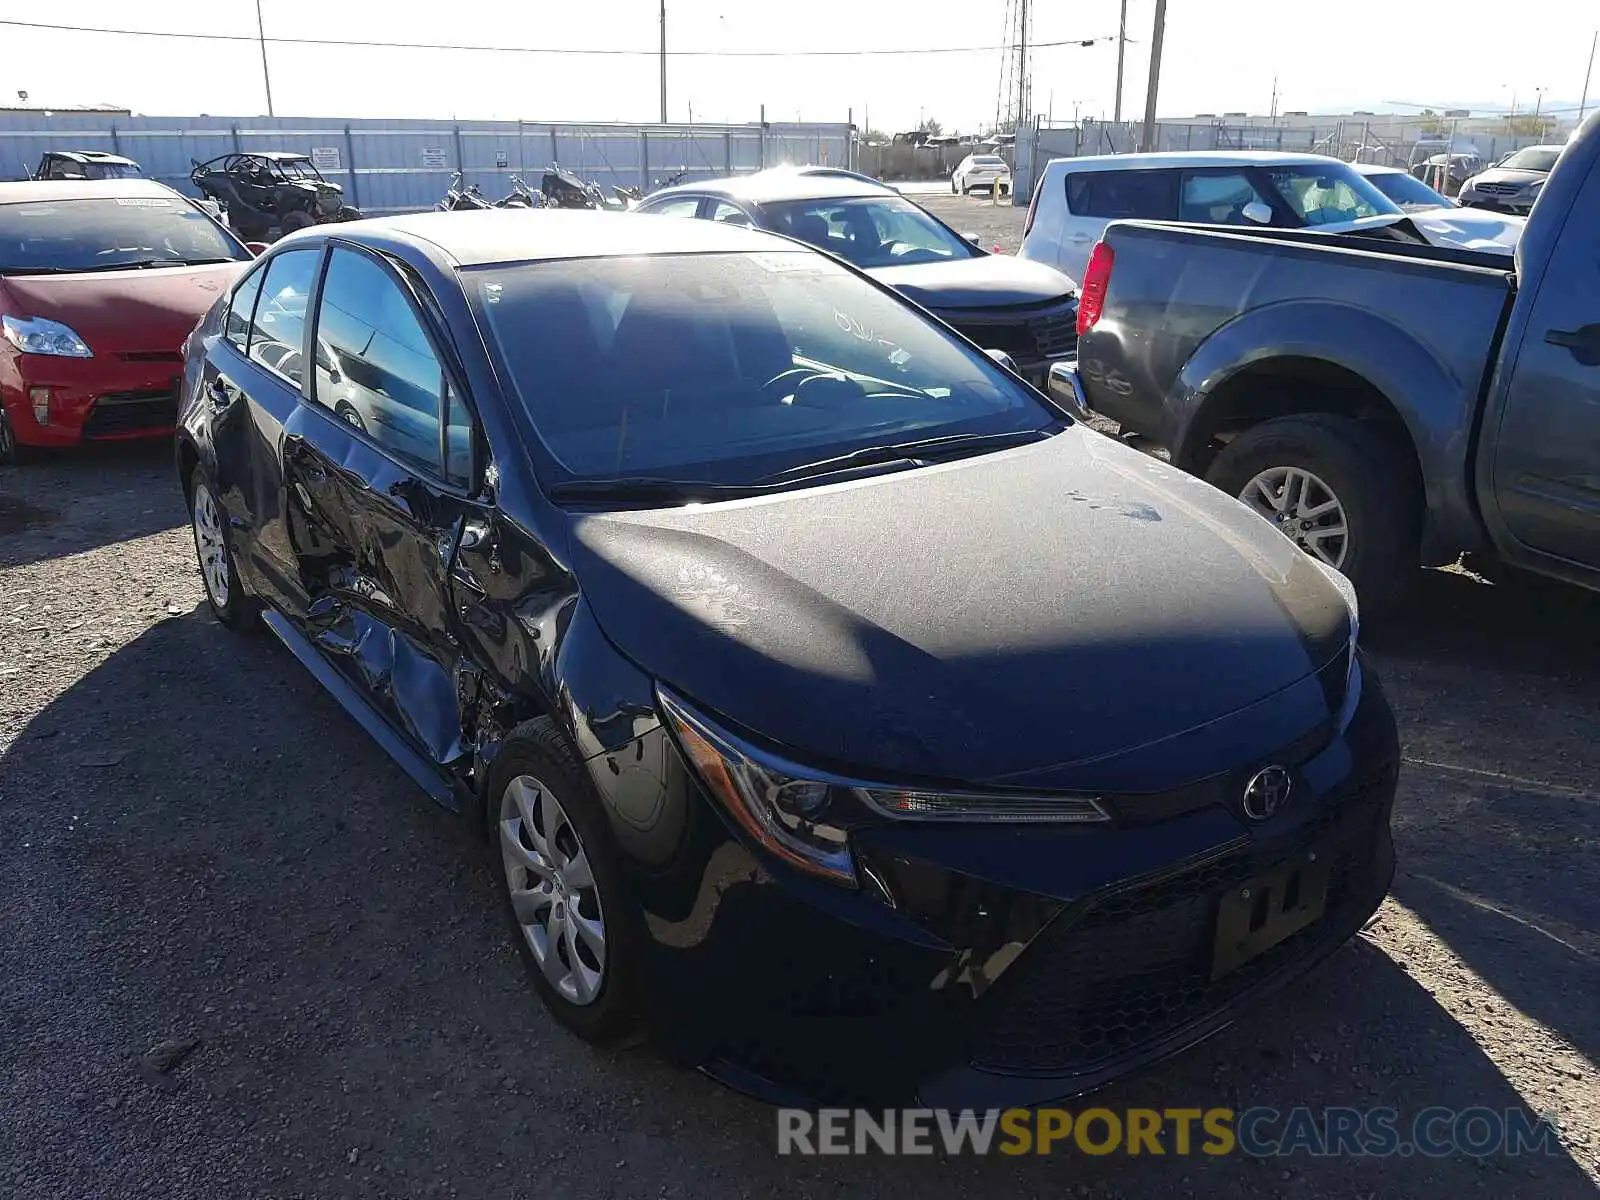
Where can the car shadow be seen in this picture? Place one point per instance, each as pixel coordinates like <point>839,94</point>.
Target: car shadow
<point>65,502</point>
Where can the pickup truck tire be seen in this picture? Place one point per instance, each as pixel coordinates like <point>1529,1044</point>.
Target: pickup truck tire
<point>1369,473</point>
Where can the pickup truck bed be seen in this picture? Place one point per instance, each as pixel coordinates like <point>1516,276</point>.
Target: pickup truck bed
<point>1384,403</point>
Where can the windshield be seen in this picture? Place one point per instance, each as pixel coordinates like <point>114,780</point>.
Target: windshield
<point>297,168</point>
<point>1329,195</point>
<point>729,368</point>
<point>111,170</point>
<point>869,231</point>
<point>1410,193</point>
<point>103,233</point>
<point>988,160</point>
<point>1534,158</point>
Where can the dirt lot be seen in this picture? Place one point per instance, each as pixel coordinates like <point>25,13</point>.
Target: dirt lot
<point>198,843</point>
<point>997,226</point>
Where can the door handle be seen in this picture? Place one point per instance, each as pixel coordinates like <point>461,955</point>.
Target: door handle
<point>1584,342</point>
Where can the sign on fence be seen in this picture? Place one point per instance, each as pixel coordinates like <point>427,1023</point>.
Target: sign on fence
<point>325,158</point>
<point>502,158</point>
<point>435,158</point>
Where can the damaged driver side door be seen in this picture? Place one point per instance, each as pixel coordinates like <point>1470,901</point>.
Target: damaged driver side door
<point>380,464</point>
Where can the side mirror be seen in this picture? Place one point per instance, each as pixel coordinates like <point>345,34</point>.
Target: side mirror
<point>256,248</point>
<point>1258,212</point>
<point>1004,359</point>
<point>1066,389</point>
<point>975,239</point>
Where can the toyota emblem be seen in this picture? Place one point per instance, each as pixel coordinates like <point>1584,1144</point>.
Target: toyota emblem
<point>1267,792</point>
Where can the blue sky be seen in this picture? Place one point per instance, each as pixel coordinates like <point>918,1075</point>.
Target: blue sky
<point>1218,58</point>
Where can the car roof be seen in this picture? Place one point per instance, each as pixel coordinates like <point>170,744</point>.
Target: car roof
<point>84,189</point>
<point>511,235</point>
<point>1376,169</point>
<point>784,183</point>
<point>1189,158</point>
<point>89,156</point>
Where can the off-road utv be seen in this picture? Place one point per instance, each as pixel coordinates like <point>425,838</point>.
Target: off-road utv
<point>86,164</point>
<point>271,188</point>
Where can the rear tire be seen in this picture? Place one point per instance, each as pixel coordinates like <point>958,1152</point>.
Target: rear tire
<point>213,547</point>
<point>535,766</point>
<point>295,221</point>
<point>1371,476</point>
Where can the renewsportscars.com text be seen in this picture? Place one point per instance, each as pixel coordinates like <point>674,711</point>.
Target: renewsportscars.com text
<point>1259,1132</point>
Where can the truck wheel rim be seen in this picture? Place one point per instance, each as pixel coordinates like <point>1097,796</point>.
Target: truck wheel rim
<point>1304,509</point>
<point>553,890</point>
<point>208,543</point>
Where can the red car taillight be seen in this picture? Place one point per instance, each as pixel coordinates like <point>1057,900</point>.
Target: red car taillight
<point>1092,296</point>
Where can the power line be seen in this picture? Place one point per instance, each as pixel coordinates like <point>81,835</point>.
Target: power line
<point>607,52</point>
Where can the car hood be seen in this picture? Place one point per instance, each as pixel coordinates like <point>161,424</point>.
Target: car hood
<point>1508,175</point>
<point>984,281</point>
<point>1009,617</point>
<point>121,311</point>
<point>1469,228</point>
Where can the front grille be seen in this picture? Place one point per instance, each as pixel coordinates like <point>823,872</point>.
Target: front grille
<point>132,412</point>
<point>1134,965</point>
<point>1026,335</point>
<point>1498,189</point>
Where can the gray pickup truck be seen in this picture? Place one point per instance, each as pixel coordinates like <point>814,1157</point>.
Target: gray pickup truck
<point>1385,404</point>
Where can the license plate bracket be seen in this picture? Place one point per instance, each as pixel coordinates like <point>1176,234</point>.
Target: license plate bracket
<point>1257,915</point>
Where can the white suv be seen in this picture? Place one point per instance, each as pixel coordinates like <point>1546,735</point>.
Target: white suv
<point>981,171</point>
<point>1076,198</point>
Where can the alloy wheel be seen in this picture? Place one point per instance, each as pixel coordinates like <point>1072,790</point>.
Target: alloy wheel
<point>553,891</point>
<point>209,544</point>
<point>1304,509</point>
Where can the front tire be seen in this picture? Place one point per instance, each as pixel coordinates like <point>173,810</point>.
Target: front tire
<point>1342,489</point>
<point>213,547</point>
<point>573,921</point>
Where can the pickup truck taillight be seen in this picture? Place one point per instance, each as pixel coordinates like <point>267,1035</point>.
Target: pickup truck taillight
<point>1092,296</point>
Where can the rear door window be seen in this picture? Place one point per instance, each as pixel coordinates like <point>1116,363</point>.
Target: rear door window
<point>1123,195</point>
<point>278,327</point>
<point>241,308</point>
<point>732,214</point>
<point>678,206</point>
<point>1217,197</point>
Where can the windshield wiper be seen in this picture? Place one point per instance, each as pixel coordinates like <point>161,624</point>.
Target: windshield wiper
<point>912,451</point>
<point>140,263</point>
<point>648,488</point>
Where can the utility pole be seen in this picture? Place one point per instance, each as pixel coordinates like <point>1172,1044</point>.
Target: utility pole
<point>1022,70</point>
<point>266,76</point>
<point>1122,50</point>
<point>663,62</point>
<point>1274,112</point>
<point>1147,141</point>
<point>1584,103</point>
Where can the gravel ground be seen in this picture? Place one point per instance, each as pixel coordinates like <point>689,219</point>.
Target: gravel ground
<point>198,844</point>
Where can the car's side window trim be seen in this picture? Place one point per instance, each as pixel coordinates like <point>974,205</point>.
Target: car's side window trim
<point>449,375</point>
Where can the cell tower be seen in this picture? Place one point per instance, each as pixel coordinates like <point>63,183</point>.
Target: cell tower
<point>1013,98</point>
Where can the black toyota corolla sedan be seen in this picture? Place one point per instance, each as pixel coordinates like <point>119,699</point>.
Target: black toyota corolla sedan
<point>1024,309</point>
<point>838,710</point>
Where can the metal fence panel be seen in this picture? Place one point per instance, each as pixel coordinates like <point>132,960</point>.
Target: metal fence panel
<point>405,165</point>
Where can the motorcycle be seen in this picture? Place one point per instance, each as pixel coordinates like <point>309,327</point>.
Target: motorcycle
<point>629,196</point>
<point>462,199</point>
<point>563,189</point>
<point>522,196</point>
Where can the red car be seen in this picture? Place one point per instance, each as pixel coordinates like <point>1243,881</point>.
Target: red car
<point>100,283</point>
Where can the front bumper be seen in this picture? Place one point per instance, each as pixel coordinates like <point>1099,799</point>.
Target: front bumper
<point>1035,336</point>
<point>987,966</point>
<point>1515,205</point>
<point>111,397</point>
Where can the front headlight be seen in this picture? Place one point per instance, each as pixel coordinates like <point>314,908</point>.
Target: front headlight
<point>1535,188</point>
<point>39,335</point>
<point>1347,591</point>
<point>803,815</point>
<point>783,811</point>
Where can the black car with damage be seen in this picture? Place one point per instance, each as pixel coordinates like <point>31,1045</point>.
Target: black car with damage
<point>830,704</point>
